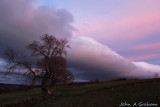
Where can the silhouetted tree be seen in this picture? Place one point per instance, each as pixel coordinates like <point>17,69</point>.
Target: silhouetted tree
<point>67,76</point>
<point>156,75</point>
<point>51,66</point>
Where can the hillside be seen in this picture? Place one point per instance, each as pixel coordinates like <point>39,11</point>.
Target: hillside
<point>109,94</point>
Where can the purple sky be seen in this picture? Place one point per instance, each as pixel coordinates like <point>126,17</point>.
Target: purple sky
<point>109,38</point>
<point>121,25</point>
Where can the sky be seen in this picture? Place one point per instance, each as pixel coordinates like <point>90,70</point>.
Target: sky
<point>129,27</point>
<point>108,38</point>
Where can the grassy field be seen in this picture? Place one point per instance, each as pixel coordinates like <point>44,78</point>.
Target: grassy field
<point>14,96</point>
<point>109,94</point>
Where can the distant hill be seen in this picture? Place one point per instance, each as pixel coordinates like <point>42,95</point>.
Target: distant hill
<point>7,85</point>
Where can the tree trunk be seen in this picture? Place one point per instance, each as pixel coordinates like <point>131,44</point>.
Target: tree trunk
<point>52,90</point>
<point>43,86</point>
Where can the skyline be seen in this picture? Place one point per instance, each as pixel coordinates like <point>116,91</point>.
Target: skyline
<point>125,34</point>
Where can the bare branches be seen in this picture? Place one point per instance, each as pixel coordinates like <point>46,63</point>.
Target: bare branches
<point>51,67</point>
<point>17,61</point>
<point>9,55</point>
<point>49,47</point>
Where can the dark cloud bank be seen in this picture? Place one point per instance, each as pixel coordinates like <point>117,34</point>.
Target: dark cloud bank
<point>22,21</point>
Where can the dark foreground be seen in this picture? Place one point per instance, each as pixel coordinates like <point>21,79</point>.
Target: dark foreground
<point>127,93</point>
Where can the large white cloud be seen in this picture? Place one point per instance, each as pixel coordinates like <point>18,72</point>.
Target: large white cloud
<point>92,60</point>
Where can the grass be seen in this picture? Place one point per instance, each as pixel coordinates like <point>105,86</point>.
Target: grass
<point>109,94</point>
<point>14,96</point>
<point>138,91</point>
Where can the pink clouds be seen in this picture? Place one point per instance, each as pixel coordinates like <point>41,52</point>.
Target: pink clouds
<point>149,48</point>
<point>144,57</point>
<point>154,46</point>
<point>138,25</point>
<point>128,23</point>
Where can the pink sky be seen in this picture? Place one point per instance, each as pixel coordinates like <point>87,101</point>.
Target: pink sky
<point>151,47</point>
<point>136,21</point>
<point>143,57</point>
<point>123,25</point>
<point>95,29</point>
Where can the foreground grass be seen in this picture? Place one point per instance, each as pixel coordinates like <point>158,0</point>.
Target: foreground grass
<point>14,96</point>
<point>109,94</point>
<point>106,95</point>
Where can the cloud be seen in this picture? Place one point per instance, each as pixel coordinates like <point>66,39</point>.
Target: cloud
<point>150,47</point>
<point>89,60</point>
<point>143,57</point>
<point>12,78</point>
<point>92,60</point>
<point>134,21</point>
<point>142,52</point>
<point>22,21</point>
<point>148,70</point>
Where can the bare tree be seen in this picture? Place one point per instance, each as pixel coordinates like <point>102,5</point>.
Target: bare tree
<point>156,75</point>
<point>51,66</point>
<point>67,76</point>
